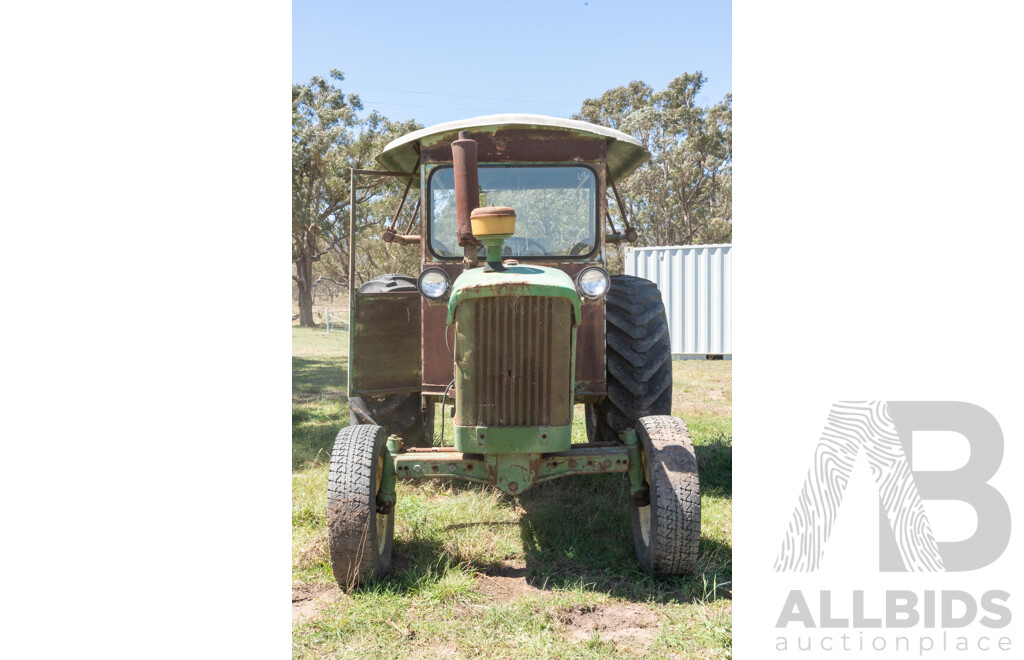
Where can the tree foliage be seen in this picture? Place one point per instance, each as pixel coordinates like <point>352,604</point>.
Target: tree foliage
<point>683,194</point>
<point>329,139</point>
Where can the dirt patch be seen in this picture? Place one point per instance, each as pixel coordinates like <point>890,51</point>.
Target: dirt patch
<point>309,599</point>
<point>501,583</point>
<point>620,623</point>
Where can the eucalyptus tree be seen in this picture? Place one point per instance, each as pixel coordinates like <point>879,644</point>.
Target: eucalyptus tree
<point>329,138</point>
<point>683,194</point>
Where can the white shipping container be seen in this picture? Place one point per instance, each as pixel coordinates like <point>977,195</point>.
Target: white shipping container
<point>696,285</point>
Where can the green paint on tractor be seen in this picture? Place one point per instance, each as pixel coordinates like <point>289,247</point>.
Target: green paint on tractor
<point>512,439</point>
<point>515,280</point>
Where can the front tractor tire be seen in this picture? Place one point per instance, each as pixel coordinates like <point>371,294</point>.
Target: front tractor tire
<point>638,358</point>
<point>359,531</point>
<point>666,527</point>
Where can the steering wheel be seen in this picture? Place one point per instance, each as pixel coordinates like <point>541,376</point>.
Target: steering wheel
<point>580,248</point>
<point>534,249</point>
<point>531,248</point>
<point>441,249</point>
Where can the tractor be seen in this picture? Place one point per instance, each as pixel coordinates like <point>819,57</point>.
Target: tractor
<point>514,321</point>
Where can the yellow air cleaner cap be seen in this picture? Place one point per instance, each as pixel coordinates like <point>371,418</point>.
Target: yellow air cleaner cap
<point>493,221</point>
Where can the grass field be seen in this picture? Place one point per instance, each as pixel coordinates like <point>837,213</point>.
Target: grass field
<point>477,573</point>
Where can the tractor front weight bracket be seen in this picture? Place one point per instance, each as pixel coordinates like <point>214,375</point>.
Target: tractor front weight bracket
<point>638,488</point>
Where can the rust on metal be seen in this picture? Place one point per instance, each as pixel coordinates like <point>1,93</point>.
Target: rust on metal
<point>516,356</point>
<point>463,154</point>
<point>609,219</point>
<point>385,342</point>
<point>413,217</point>
<point>513,473</point>
<point>401,204</point>
<point>629,236</point>
<point>401,239</point>
<point>400,175</point>
<point>523,145</point>
<point>438,350</point>
<point>624,152</point>
<point>491,466</point>
<point>583,460</point>
<point>628,232</point>
<point>590,344</point>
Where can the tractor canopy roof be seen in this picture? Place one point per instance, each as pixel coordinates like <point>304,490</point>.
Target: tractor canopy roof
<point>624,152</point>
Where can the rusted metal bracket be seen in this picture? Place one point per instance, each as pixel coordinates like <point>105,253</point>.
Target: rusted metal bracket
<point>628,236</point>
<point>401,239</point>
<point>400,175</point>
<point>401,204</point>
<point>628,233</point>
<point>413,217</point>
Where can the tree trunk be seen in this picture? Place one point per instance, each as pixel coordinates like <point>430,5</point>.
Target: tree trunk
<point>306,306</point>
<point>304,279</point>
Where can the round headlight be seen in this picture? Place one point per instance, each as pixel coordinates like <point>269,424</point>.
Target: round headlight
<point>433,283</point>
<point>592,282</point>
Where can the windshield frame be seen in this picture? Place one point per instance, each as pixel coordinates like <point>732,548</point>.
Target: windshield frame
<point>433,168</point>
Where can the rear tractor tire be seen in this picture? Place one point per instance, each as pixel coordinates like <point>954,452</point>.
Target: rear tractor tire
<point>399,414</point>
<point>666,531</point>
<point>359,532</point>
<point>638,358</point>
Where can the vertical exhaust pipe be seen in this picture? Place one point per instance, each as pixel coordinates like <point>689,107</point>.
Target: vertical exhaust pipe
<point>467,193</point>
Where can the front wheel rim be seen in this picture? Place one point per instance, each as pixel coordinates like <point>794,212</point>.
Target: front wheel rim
<point>643,515</point>
<point>382,531</point>
<point>381,518</point>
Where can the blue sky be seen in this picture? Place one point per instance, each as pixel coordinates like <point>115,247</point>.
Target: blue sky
<point>441,61</point>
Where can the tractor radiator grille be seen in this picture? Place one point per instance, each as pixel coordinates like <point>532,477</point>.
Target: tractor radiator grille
<point>513,362</point>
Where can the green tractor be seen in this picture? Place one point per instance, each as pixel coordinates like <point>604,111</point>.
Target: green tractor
<point>514,320</point>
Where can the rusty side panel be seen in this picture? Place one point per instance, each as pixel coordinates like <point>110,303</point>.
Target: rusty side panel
<point>590,357</point>
<point>385,343</point>
<point>438,350</point>
<point>523,145</point>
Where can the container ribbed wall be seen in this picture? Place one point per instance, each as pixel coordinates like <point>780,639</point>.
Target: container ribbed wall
<point>696,285</point>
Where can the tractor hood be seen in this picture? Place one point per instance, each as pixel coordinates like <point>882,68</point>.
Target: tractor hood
<point>513,281</point>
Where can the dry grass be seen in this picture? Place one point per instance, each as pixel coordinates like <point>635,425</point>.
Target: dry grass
<point>702,388</point>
